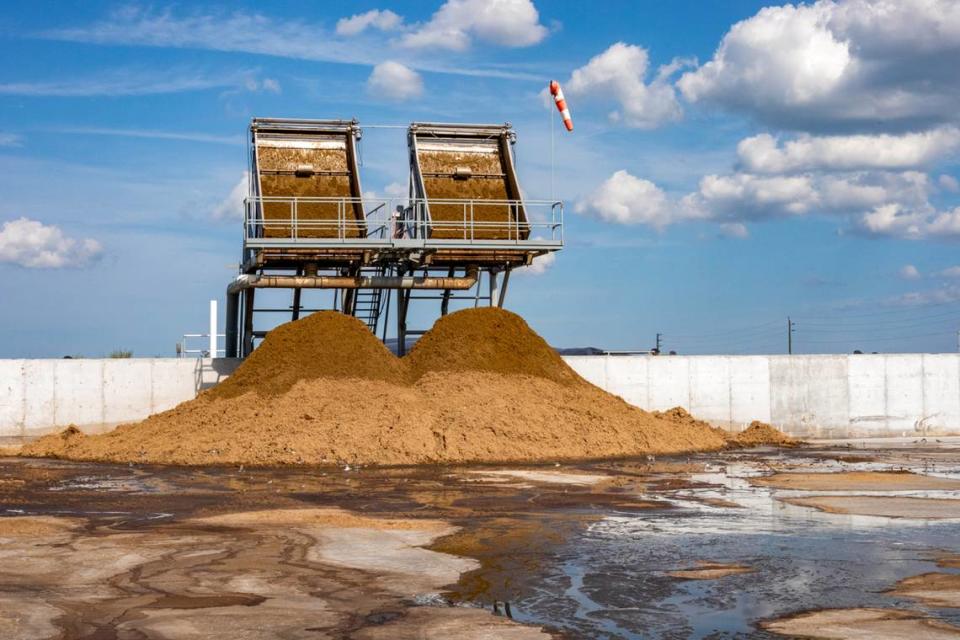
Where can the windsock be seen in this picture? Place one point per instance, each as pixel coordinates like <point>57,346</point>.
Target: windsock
<point>557,94</point>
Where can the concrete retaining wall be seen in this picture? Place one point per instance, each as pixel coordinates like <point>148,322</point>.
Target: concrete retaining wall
<point>823,396</point>
<point>39,396</point>
<point>809,396</point>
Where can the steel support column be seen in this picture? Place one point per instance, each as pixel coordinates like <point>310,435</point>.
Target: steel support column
<point>233,324</point>
<point>247,338</point>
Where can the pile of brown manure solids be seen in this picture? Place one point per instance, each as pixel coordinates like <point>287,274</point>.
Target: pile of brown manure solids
<point>480,386</point>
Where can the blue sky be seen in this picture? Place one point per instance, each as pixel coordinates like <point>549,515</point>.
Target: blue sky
<point>731,164</point>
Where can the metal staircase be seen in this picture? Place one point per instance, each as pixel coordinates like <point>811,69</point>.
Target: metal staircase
<point>369,303</point>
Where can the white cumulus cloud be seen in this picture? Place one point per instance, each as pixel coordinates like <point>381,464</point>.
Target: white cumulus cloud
<point>385,20</point>
<point>32,244</point>
<point>838,65</point>
<point>765,153</point>
<point>539,266</point>
<point>919,223</point>
<point>626,199</point>
<point>620,73</point>
<point>508,23</point>
<point>231,207</point>
<point>393,80</point>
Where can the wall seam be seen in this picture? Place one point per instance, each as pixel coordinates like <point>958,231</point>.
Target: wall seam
<point>23,399</point>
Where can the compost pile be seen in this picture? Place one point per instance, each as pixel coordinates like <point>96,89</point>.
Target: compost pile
<point>480,386</point>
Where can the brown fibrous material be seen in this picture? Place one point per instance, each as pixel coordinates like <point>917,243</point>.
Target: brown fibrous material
<point>760,433</point>
<point>481,386</point>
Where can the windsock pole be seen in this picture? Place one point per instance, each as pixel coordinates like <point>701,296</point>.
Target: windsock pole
<point>557,94</point>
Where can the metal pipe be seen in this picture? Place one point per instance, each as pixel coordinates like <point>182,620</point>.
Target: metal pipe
<point>249,281</point>
<point>233,320</point>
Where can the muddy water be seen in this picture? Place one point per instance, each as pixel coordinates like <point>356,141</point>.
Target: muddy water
<point>607,549</point>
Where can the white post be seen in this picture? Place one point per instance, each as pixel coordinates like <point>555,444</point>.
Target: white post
<point>494,290</point>
<point>213,329</point>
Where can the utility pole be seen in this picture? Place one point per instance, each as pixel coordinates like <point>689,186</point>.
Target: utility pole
<point>659,340</point>
<point>790,326</point>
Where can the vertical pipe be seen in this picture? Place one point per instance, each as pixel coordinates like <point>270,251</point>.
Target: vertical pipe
<point>296,299</point>
<point>213,329</point>
<point>503,288</point>
<point>494,291</point>
<point>233,319</point>
<point>247,338</point>
<point>445,304</point>
<point>402,301</point>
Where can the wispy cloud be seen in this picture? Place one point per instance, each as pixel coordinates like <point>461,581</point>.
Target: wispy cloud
<point>251,33</point>
<point>10,140</point>
<point>130,82</point>
<point>186,136</point>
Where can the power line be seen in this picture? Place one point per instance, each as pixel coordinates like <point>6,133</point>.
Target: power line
<point>882,338</point>
<point>884,322</point>
<point>884,312</point>
<point>724,332</point>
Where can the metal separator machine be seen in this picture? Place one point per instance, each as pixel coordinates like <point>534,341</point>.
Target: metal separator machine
<point>308,225</point>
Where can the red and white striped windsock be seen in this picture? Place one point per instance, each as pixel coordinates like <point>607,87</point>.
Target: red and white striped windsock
<point>557,94</point>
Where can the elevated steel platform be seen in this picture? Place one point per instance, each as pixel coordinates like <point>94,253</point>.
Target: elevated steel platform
<point>307,224</point>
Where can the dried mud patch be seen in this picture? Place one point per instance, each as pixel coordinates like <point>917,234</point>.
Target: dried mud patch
<point>935,589</point>
<point>883,506</point>
<point>865,624</point>
<point>710,571</point>
<point>857,481</point>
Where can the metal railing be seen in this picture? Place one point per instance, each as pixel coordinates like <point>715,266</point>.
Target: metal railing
<point>185,351</point>
<point>385,221</point>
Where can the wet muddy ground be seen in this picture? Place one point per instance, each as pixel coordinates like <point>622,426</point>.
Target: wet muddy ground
<point>748,544</point>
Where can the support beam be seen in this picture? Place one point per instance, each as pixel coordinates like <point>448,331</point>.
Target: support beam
<point>445,305</point>
<point>350,295</point>
<point>503,287</point>
<point>403,301</point>
<point>251,281</point>
<point>296,299</point>
<point>233,324</point>
<point>247,338</point>
<point>494,291</point>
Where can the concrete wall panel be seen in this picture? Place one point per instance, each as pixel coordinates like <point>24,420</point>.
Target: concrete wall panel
<point>79,396</point>
<point>809,394</point>
<point>749,389</point>
<point>628,378</point>
<point>127,390</point>
<point>11,398</point>
<point>39,395</point>
<point>669,382</point>
<point>593,369</point>
<point>941,393</point>
<point>904,384</point>
<point>867,389</point>
<point>173,382</point>
<point>710,389</point>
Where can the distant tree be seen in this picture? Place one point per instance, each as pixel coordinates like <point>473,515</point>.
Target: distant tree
<point>121,353</point>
